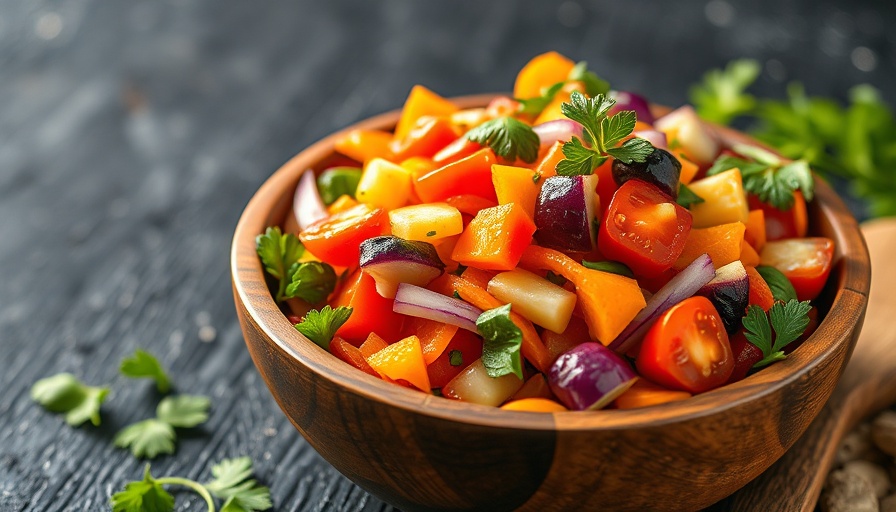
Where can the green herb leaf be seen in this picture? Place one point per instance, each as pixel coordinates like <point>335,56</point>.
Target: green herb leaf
<point>555,278</point>
<point>594,85</point>
<point>311,281</point>
<point>769,179</point>
<point>508,137</point>
<point>501,342</point>
<point>720,97</point>
<point>613,267</point>
<point>183,410</point>
<point>146,495</point>
<point>789,322</point>
<point>687,197</point>
<point>781,287</point>
<point>232,483</point>
<point>144,365</point>
<point>338,181</point>
<point>147,438</point>
<point>63,392</point>
<point>632,150</point>
<point>617,127</point>
<point>456,358</point>
<point>279,253</point>
<point>321,326</point>
<point>579,161</point>
<point>534,106</point>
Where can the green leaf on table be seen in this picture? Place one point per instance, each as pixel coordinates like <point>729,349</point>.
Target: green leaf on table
<point>183,410</point>
<point>142,364</point>
<point>232,482</point>
<point>148,438</point>
<point>64,393</point>
<point>145,495</point>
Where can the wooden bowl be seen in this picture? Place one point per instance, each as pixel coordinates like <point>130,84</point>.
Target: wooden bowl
<point>421,452</point>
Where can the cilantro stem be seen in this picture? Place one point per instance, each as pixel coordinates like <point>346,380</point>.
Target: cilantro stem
<point>195,486</point>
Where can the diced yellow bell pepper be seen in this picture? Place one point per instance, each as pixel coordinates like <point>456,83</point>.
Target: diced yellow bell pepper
<point>426,222</point>
<point>384,184</point>
<point>725,200</point>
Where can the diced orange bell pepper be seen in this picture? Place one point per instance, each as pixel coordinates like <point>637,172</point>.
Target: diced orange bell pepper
<point>644,393</point>
<point>351,355</point>
<point>547,166</point>
<point>341,204</point>
<point>536,387</point>
<point>534,405</point>
<point>748,256</point>
<point>688,169</point>
<point>722,243</point>
<point>575,334</point>
<point>542,71</point>
<point>755,232</point>
<point>470,204</point>
<point>421,102</point>
<point>478,276</point>
<point>470,175</point>
<point>554,110</point>
<point>434,336</point>
<point>495,239</point>
<point>402,360</point>
<point>372,345</point>
<point>516,185</point>
<point>364,145</point>
<point>460,148</point>
<point>760,293</point>
<point>426,138</point>
<point>606,185</point>
<point>370,311</point>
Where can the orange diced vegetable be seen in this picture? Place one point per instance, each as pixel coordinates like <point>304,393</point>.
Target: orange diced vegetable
<point>724,200</point>
<point>403,360</point>
<point>760,293</point>
<point>470,175</point>
<point>542,71</point>
<point>516,185</point>
<point>425,139</point>
<point>370,311</point>
<point>470,204</point>
<point>748,256</point>
<point>364,145</point>
<point>609,301</point>
<point>372,345</point>
<point>444,248</point>
<point>460,148</point>
<point>534,405</point>
<point>434,336</point>
<point>644,393</point>
<point>688,169</point>
<point>421,102</point>
<point>495,239</point>
<point>536,387</point>
<point>576,333</point>
<point>351,355</point>
<point>722,243</point>
<point>547,166</point>
<point>553,110</point>
<point>478,276</point>
<point>755,229</point>
<point>341,204</point>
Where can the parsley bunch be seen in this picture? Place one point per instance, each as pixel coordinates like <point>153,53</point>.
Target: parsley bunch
<point>602,133</point>
<point>232,482</point>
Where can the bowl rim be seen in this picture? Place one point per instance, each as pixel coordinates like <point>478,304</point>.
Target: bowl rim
<point>847,309</point>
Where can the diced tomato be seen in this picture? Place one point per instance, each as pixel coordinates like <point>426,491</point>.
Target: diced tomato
<point>644,228</point>
<point>426,138</point>
<point>370,311</point>
<point>470,175</point>
<point>687,348</point>
<point>780,224</point>
<point>760,293</point>
<point>351,355</point>
<point>337,239</point>
<point>745,356</point>
<point>466,347</point>
<point>806,262</point>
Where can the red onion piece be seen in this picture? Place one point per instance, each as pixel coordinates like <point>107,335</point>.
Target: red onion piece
<point>307,205</point>
<point>415,301</point>
<point>655,137</point>
<point>589,376</point>
<point>682,286</point>
<point>632,101</point>
<point>557,130</point>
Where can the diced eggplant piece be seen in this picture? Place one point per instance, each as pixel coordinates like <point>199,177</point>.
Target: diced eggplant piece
<point>729,292</point>
<point>660,168</point>
<point>590,376</point>
<point>564,213</point>
<point>391,260</point>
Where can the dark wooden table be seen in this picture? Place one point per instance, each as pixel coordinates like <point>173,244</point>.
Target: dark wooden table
<point>132,133</point>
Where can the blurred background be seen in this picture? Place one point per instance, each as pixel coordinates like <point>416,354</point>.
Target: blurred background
<point>132,133</point>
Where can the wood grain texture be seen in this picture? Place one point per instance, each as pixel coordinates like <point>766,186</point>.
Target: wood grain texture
<point>132,133</point>
<point>403,445</point>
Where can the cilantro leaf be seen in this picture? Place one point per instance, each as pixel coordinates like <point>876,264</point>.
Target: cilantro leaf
<point>63,392</point>
<point>508,137</point>
<point>143,364</point>
<point>311,281</point>
<point>279,252</point>
<point>183,410</point>
<point>232,482</point>
<point>501,342</point>
<point>594,85</point>
<point>781,287</point>
<point>146,495</point>
<point>687,197</point>
<point>720,97</point>
<point>534,106</point>
<point>789,321</point>
<point>321,326</point>
<point>613,267</point>
<point>147,438</point>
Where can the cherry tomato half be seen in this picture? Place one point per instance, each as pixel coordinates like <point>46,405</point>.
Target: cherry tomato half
<point>687,348</point>
<point>806,262</point>
<point>337,239</point>
<point>644,228</point>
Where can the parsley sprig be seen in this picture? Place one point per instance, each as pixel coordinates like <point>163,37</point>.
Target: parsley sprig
<point>144,365</point>
<point>321,325</point>
<point>508,137</point>
<point>64,393</point>
<point>501,344</point>
<point>232,482</point>
<point>788,320</point>
<point>721,96</point>
<point>311,281</point>
<point>152,437</point>
<point>767,176</point>
<point>602,133</point>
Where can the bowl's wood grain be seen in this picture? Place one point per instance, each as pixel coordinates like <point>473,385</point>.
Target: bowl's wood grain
<point>422,452</point>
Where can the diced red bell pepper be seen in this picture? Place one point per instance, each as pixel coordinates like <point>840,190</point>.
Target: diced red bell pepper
<point>370,311</point>
<point>470,175</point>
<point>425,139</point>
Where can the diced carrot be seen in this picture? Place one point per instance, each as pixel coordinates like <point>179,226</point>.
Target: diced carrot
<point>755,229</point>
<point>542,71</point>
<point>470,175</point>
<point>434,336</point>
<point>606,185</point>
<point>535,387</point>
<point>547,166</point>
<point>426,138</point>
<point>495,239</point>
<point>402,360</point>
<point>478,276</point>
<point>372,345</point>
<point>760,293</point>
<point>342,203</point>
<point>688,169</point>
<point>532,348</point>
<point>460,148</point>
<point>722,243</point>
<point>609,301</point>
<point>748,256</point>
<point>470,204</point>
<point>364,145</point>
<point>516,185</point>
<point>644,393</point>
<point>421,102</point>
<point>576,333</point>
<point>351,355</point>
<point>370,311</point>
<point>534,405</point>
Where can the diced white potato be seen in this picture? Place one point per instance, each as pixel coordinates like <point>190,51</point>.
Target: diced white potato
<point>725,200</point>
<point>536,299</point>
<point>474,385</point>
